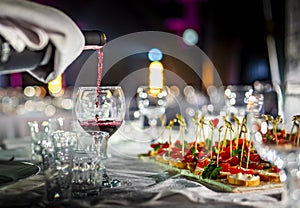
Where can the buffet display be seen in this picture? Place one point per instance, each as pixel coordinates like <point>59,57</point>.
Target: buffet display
<point>227,154</point>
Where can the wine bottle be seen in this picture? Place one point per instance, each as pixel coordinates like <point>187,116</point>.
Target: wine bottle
<point>13,61</point>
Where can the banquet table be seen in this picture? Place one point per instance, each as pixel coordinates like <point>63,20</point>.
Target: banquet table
<point>143,184</point>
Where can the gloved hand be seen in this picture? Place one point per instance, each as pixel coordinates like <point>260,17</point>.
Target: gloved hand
<point>26,25</point>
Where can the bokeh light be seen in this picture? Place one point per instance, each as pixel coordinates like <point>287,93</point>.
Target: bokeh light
<point>29,91</point>
<point>156,78</point>
<point>190,37</point>
<point>55,86</point>
<point>155,54</point>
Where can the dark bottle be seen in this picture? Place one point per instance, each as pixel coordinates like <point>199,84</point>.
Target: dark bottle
<point>94,37</point>
<point>12,61</point>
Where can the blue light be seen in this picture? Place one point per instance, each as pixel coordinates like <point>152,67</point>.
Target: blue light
<point>190,37</point>
<point>155,54</point>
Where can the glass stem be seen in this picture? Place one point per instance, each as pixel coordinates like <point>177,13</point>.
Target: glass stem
<point>291,194</point>
<point>101,148</point>
<point>153,131</point>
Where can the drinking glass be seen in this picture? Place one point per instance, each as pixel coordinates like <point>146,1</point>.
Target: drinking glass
<point>40,136</point>
<point>291,101</point>
<point>101,109</point>
<point>88,163</point>
<point>40,132</point>
<point>281,147</point>
<point>58,175</point>
<point>152,104</point>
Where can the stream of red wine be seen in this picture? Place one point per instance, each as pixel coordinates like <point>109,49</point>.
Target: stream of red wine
<point>109,126</point>
<point>100,67</point>
<point>99,75</point>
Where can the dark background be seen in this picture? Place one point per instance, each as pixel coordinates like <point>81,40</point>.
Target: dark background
<point>231,32</point>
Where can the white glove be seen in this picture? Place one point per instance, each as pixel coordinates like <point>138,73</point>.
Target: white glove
<point>30,25</point>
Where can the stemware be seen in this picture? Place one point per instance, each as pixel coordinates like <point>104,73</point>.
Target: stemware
<point>152,104</point>
<point>101,109</point>
<point>281,147</point>
<point>235,98</point>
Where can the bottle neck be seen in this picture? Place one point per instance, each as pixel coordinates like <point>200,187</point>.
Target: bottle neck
<point>94,38</point>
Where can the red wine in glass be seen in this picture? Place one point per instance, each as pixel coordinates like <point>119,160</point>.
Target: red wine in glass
<point>109,126</point>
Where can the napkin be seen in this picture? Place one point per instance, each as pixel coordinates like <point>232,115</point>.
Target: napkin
<point>14,170</point>
<point>26,24</point>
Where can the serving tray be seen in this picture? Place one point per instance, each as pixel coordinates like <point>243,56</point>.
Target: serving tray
<point>220,185</point>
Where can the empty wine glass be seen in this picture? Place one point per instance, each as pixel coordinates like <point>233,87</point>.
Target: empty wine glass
<point>152,104</point>
<point>101,109</point>
<point>235,98</point>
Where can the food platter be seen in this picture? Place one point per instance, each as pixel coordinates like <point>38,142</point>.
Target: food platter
<point>219,185</point>
<point>230,163</point>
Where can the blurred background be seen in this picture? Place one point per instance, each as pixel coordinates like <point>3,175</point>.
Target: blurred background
<point>232,33</point>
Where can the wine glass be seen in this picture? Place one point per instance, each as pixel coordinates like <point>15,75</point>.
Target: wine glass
<point>101,109</point>
<point>235,98</point>
<point>152,104</point>
<point>281,147</point>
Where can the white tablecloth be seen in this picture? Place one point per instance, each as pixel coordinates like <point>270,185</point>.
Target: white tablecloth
<point>143,185</point>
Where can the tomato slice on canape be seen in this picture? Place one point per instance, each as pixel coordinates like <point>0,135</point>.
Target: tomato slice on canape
<point>225,167</point>
<point>237,169</point>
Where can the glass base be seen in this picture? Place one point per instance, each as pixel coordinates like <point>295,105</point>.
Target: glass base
<point>109,183</point>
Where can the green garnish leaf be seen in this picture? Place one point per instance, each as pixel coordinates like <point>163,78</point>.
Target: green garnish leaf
<point>193,150</point>
<point>235,152</point>
<point>211,171</point>
<point>215,173</point>
<point>269,138</point>
<point>216,150</point>
<point>156,148</point>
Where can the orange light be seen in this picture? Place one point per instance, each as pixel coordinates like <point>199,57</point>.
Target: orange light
<point>208,74</point>
<point>55,86</point>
